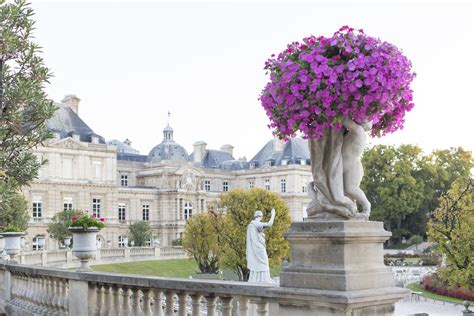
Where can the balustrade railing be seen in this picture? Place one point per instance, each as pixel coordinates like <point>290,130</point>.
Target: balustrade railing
<point>143,251</point>
<point>112,253</point>
<point>65,257</point>
<point>171,251</point>
<point>47,291</point>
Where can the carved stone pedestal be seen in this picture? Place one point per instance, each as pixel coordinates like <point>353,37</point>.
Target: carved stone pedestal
<point>337,268</point>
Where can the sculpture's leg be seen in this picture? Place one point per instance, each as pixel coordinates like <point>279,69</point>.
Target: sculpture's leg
<point>327,192</point>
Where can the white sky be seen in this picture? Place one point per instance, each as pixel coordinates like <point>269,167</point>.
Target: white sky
<point>131,62</point>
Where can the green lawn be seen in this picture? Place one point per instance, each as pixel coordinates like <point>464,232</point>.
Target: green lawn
<point>416,288</point>
<point>177,268</point>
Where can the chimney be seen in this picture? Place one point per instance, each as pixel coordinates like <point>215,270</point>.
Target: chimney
<point>128,142</point>
<point>228,149</point>
<point>199,151</point>
<point>72,102</point>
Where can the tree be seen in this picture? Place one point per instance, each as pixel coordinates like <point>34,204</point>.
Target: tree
<point>451,229</point>
<point>140,233</point>
<point>239,207</point>
<point>58,227</point>
<point>415,240</point>
<point>24,107</point>
<point>15,212</point>
<point>200,240</point>
<point>391,185</point>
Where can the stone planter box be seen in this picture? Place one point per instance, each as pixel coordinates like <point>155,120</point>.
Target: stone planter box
<point>84,245</point>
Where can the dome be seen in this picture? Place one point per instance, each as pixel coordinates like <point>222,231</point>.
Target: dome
<point>168,150</point>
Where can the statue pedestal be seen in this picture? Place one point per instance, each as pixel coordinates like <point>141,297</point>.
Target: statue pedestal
<point>337,268</point>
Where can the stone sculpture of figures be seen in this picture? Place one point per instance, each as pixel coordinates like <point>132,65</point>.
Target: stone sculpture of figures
<point>352,149</point>
<point>257,258</point>
<point>337,173</point>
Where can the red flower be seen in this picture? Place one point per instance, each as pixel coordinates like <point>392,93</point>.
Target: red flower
<point>102,219</point>
<point>74,218</point>
<point>93,215</point>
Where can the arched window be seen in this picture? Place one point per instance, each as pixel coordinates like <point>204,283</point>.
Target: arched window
<point>188,210</point>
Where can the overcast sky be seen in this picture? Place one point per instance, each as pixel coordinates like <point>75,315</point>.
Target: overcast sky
<point>132,62</point>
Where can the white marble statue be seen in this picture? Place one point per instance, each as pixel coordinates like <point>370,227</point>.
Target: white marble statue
<point>352,149</point>
<point>337,173</point>
<point>257,258</point>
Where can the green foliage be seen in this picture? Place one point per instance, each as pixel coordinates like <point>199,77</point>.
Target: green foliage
<point>390,184</point>
<point>140,232</point>
<point>58,227</point>
<point>415,240</point>
<point>24,107</point>
<point>12,229</point>
<point>404,185</point>
<point>451,229</point>
<point>84,220</point>
<point>201,240</point>
<point>240,206</point>
<point>177,242</point>
<point>15,211</point>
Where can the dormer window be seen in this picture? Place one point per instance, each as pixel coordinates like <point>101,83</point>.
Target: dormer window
<point>76,136</point>
<point>95,139</point>
<point>270,162</point>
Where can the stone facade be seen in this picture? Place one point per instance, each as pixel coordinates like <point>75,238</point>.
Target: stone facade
<point>166,187</point>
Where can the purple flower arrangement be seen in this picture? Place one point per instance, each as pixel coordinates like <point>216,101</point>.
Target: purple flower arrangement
<point>314,85</point>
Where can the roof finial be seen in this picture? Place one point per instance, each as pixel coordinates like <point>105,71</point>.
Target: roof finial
<point>169,115</point>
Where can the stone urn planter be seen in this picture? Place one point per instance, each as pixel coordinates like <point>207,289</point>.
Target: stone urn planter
<point>67,242</point>
<point>12,243</point>
<point>2,246</point>
<point>84,247</point>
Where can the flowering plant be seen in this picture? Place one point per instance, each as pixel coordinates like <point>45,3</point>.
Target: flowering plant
<point>316,84</point>
<point>84,220</point>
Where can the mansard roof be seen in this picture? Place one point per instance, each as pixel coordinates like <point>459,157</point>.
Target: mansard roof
<point>220,159</point>
<point>122,147</point>
<point>275,151</point>
<point>66,122</point>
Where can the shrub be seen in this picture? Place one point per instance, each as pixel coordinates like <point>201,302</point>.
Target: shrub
<point>434,284</point>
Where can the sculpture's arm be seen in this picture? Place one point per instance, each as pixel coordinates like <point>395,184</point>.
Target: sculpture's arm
<point>350,124</point>
<point>270,222</point>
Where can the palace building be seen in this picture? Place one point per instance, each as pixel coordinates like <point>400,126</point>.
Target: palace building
<point>111,179</point>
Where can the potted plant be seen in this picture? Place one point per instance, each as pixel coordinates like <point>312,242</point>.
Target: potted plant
<point>331,90</point>
<point>12,236</point>
<point>84,229</point>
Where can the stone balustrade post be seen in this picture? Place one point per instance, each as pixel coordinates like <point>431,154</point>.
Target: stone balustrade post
<point>126,252</point>
<point>22,259</point>
<point>44,258</point>
<point>78,298</point>
<point>157,251</point>
<point>68,256</point>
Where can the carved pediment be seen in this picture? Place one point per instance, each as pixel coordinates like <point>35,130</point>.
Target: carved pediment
<point>68,143</point>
